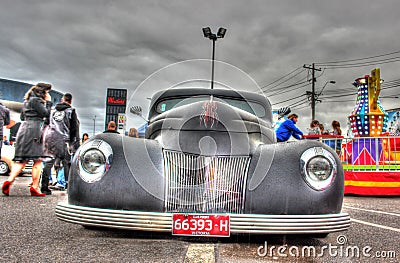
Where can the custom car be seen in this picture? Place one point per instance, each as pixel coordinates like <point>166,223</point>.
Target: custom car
<point>209,165</point>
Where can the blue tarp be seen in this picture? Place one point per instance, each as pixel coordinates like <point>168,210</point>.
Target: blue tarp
<point>142,129</point>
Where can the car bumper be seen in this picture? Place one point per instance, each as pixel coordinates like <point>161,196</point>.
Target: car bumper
<point>239,223</point>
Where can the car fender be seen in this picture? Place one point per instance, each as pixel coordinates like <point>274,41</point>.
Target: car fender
<point>134,181</point>
<point>276,186</point>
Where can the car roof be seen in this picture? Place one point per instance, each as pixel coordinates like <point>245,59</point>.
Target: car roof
<point>189,92</point>
<point>185,92</point>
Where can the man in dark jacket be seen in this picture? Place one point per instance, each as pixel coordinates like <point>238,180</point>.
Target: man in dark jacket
<point>4,120</point>
<point>288,128</point>
<point>61,138</point>
<point>111,128</point>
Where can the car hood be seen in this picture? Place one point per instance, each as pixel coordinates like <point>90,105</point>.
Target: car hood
<point>210,127</point>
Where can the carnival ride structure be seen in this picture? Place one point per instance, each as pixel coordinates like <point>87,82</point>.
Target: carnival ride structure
<point>371,157</point>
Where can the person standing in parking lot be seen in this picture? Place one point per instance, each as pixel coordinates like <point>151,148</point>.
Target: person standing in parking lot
<point>133,132</point>
<point>61,139</point>
<point>111,128</point>
<point>4,120</point>
<point>85,137</point>
<point>29,145</point>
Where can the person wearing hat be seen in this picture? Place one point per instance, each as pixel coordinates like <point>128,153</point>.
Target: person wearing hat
<point>37,105</point>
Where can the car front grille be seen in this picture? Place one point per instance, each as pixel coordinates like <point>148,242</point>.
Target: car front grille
<point>204,184</point>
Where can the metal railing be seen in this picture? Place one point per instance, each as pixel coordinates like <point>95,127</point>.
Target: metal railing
<point>367,153</point>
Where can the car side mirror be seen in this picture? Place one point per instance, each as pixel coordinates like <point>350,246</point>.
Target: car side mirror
<point>283,111</point>
<point>137,110</point>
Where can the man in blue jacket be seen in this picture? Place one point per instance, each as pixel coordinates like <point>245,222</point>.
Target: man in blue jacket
<point>288,128</point>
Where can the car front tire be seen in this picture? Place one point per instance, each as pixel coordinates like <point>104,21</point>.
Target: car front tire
<point>4,168</point>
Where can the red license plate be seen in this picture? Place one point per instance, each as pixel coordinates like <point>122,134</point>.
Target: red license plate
<point>201,225</point>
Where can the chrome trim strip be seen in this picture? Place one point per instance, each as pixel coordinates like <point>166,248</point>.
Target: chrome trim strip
<point>240,223</point>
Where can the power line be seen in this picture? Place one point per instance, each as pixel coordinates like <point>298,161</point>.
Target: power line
<point>294,105</point>
<point>351,60</point>
<point>281,78</point>
<point>336,94</point>
<point>299,108</point>
<point>358,65</point>
<point>286,100</point>
<point>339,100</point>
<point>385,86</point>
<point>289,90</point>
<point>359,62</point>
<point>274,88</point>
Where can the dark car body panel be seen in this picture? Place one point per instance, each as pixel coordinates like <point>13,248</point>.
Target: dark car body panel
<point>135,192</point>
<point>119,189</point>
<point>271,189</point>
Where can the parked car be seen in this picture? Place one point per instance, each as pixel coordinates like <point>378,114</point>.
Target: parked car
<point>209,165</point>
<point>7,154</point>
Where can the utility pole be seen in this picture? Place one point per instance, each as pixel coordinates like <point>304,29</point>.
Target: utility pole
<point>313,69</point>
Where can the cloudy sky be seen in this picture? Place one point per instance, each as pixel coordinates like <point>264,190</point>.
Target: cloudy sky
<point>85,47</point>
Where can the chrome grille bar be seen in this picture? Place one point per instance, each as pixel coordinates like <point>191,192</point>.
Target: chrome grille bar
<point>204,184</point>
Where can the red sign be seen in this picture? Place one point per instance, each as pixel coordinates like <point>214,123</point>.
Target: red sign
<point>112,100</point>
<point>201,225</point>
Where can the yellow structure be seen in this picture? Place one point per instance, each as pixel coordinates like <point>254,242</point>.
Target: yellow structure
<point>368,118</point>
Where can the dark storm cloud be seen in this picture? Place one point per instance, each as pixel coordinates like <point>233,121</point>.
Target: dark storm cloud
<point>85,47</point>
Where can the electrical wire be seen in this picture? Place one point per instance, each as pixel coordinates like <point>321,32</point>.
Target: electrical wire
<point>299,108</point>
<point>288,74</point>
<point>351,60</point>
<point>274,88</point>
<point>358,65</point>
<point>278,89</point>
<point>293,105</point>
<point>286,100</point>
<point>289,90</point>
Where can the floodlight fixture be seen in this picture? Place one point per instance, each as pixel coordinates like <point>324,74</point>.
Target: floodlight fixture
<point>221,32</point>
<point>207,32</point>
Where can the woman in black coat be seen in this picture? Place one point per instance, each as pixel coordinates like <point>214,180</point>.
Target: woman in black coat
<point>29,145</point>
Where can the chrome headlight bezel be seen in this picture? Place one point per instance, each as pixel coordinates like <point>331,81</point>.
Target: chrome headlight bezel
<point>318,168</point>
<point>94,160</point>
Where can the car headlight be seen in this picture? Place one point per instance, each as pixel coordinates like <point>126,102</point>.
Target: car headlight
<point>318,167</point>
<point>94,160</point>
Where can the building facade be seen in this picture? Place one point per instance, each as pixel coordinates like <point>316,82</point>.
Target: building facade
<point>12,96</point>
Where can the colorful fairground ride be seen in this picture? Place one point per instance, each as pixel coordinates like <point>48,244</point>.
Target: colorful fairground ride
<point>371,154</point>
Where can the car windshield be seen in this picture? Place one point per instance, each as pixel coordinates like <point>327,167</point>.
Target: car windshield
<point>249,106</point>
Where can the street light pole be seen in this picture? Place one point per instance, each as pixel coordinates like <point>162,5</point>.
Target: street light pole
<point>94,125</point>
<point>212,65</point>
<point>331,82</point>
<point>213,37</point>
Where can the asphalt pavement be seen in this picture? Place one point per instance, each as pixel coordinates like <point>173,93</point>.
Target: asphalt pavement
<point>30,232</point>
